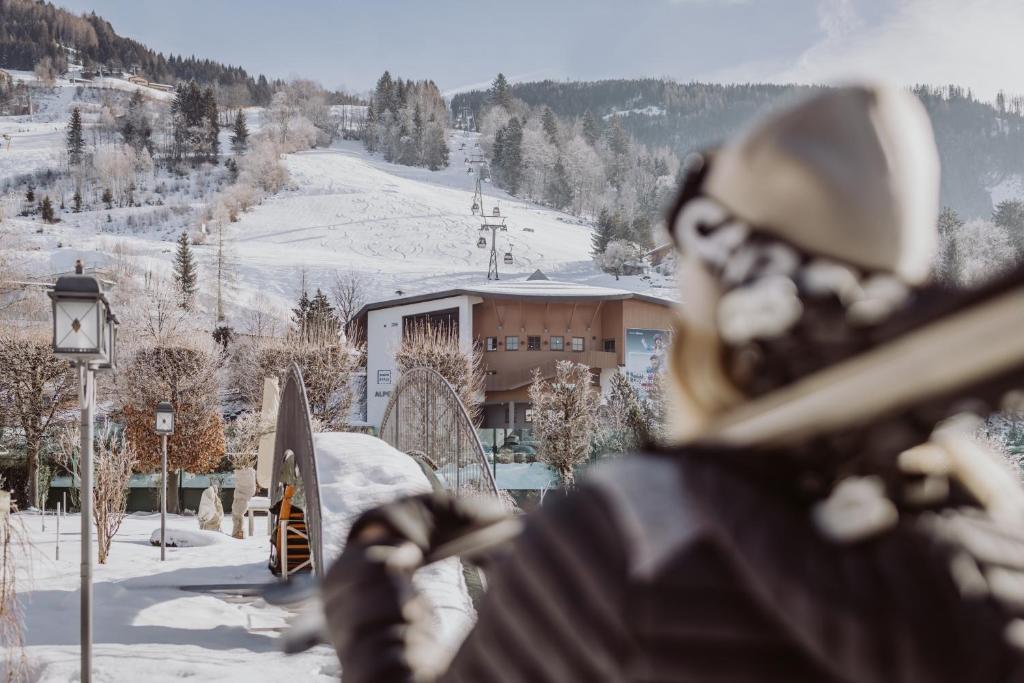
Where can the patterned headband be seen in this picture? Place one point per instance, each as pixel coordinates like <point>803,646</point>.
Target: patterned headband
<point>766,282</point>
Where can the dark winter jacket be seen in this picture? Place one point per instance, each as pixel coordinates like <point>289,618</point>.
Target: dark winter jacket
<point>685,567</point>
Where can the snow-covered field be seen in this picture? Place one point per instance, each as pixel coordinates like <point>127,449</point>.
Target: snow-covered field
<point>146,627</point>
<point>151,626</point>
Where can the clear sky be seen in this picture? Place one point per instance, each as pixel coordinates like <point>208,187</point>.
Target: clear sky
<point>461,43</point>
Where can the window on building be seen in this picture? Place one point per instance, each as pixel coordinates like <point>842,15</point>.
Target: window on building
<point>511,343</point>
<point>447,320</point>
<point>533,343</point>
<point>609,345</point>
<point>491,344</point>
<point>577,343</point>
<point>558,343</point>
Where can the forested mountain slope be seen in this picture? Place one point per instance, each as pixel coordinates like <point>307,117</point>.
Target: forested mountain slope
<point>31,31</point>
<point>980,144</point>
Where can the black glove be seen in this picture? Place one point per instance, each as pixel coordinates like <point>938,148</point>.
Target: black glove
<point>379,625</point>
<point>430,521</point>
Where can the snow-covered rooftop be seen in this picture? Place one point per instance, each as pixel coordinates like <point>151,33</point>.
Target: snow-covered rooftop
<point>532,287</point>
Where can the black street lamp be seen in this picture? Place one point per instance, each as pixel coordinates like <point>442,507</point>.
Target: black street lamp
<point>164,426</point>
<point>85,333</point>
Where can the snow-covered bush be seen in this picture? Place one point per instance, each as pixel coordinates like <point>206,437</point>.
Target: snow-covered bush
<point>117,168</point>
<point>564,409</point>
<point>437,347</point>
<point>114,460</point>
<point>626,421</point>
<point>261,167</point>
<point>34,386</point>
<point>229,204</point>
<point>975,251</point>
<point>14,543</point>
<point>182,370</point>
<point>328,370</point>
<point>618,255</point>
<point>243,438</point>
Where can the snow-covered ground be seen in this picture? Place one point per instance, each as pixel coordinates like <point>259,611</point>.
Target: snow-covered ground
<point>151,626</point>
<point>146,627</point>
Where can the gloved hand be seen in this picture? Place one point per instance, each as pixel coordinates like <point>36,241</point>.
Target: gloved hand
<point>430,522</point>
<point>380,627</point>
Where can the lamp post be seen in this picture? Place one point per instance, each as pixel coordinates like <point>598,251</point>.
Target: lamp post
<point>164,427</point>
<point>84,332</point>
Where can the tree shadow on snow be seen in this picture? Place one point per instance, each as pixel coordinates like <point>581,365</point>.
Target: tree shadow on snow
<point>51,616</point>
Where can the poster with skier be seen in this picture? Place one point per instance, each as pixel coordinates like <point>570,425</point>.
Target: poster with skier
<point>645,357</point>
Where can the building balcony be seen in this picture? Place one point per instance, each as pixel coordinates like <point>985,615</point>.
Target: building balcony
<point>513,369</point>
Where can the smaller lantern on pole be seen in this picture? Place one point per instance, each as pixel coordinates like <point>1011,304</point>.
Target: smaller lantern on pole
<point>164,427</point>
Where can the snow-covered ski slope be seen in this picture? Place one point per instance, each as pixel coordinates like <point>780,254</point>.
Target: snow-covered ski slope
<point>403,229</point>
<point>407,229</point>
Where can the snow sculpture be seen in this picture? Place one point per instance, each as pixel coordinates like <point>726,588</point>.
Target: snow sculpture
<point>211,511</point>
<point>245,489</point>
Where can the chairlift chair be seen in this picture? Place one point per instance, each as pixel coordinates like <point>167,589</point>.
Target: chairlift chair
<point>508,258</point>
<point>475,208</point>
<point>482,243</point>
<point>496,212</point>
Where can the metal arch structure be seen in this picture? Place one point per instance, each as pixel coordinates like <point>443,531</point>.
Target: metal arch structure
<point>425,417</point>
<point>295,435</point>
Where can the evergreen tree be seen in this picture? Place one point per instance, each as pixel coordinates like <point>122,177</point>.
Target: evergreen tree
<point>591,131</point>
<point>640,231</point>
<point>75,141</point>
<point>76,202</point>
<point>300,314</point>
<point>620,146</point>
<point>185,273</point>
<point>108,198</point>
<point>609,227</point>
<point>949,262</point>
<point>500,93</point>
<point>370,128</point>
<point>435,153</point>
<point>211,136</point>
<point>550,126</point>
<point>136,128</point>
<point>262,92</point>
<point>30,195</point>
<point>1009,214</point>
<point>558,192</point>
<point>239,134</point>
<point>324,324</point>
<point>46,210</point>
<point>194,117</point>
<point>385,95</point>
<point>223,334</point>
<point>510,161</point>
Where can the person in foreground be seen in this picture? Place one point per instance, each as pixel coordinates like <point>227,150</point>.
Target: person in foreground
<point>806,544</point>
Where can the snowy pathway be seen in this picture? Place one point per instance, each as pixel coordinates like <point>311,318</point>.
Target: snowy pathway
<point>146,627</point>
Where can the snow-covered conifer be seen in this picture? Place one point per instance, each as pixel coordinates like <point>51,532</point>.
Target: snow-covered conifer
<point>239,134</point>
<point>75,140</point>
<point>564,408</point>
<point>185,273</point>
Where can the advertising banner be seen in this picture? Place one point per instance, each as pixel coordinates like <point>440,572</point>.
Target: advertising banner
<point>646,357</point>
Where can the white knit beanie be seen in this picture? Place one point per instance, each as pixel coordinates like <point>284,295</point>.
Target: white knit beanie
<point>851,174</point>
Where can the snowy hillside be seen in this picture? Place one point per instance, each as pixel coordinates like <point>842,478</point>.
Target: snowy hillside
<point>407,229</point>
<point>343,210</point>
